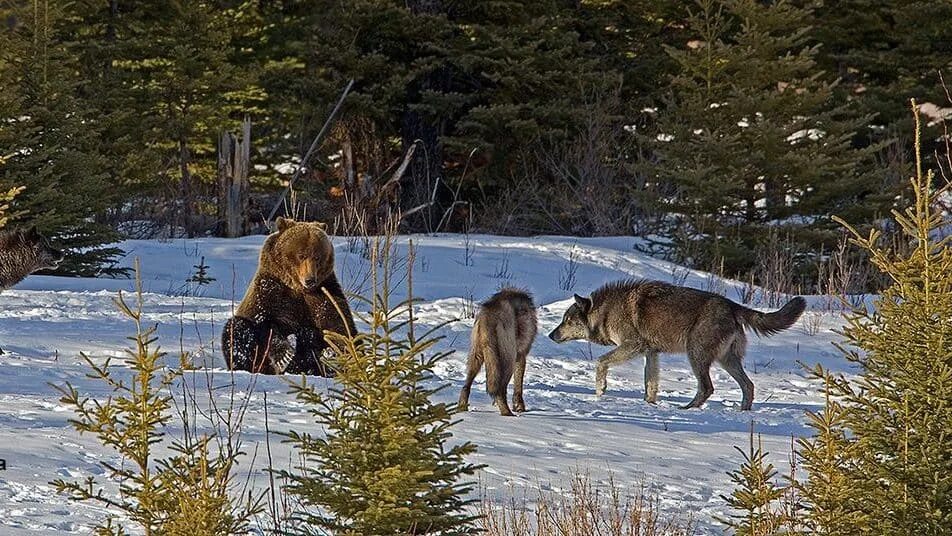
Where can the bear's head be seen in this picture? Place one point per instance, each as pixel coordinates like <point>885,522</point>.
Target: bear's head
<point>300,254</point>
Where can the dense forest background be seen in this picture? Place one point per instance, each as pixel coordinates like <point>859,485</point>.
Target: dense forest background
<point>725,132</point>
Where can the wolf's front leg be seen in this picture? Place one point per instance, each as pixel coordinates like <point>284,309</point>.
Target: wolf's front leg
<point>651,376</point>
<point>619,355</point>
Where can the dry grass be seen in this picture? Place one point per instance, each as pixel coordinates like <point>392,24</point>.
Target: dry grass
<point>585,510</point>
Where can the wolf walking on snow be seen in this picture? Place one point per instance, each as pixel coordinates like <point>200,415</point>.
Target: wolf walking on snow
<point>648,317</point>
<point>502,336</point>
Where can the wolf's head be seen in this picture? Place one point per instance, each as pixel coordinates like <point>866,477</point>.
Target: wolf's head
<point>35,250</point>
<point>575,325</point>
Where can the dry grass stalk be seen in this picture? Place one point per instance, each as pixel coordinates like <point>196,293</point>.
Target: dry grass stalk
<point>585,510</point>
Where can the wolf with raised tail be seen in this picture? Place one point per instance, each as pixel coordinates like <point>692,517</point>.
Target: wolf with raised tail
<point>502,336</point>
<point>646,317</point>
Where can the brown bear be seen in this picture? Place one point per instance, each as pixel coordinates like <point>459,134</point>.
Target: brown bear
<point>285,299</point>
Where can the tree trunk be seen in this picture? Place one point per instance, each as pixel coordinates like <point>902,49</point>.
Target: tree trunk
<point>234,158</point>
<point>186,194</point>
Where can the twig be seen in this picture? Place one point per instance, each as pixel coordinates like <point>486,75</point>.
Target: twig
<point>307,156</point>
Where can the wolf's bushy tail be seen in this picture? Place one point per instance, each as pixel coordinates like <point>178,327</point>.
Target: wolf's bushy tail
<point>500,359</point>
<point>769,323</point>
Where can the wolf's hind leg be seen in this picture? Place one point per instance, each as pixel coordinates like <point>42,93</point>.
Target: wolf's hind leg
<point>705,388</point>
<point>518,403</point>
<point>733,363</point>
<point>473,365</point>
<point>621,354</point>
<point>652,373</point>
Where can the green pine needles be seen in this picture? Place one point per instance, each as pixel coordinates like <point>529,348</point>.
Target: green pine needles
<point>192,491</point>
<point>752,140</point>
<point>383,466</point>
<point>886,446</point>
<point>762,503</point>
<point>880,460</point>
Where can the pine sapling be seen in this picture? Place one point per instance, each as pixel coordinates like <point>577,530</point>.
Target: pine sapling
<point>881,458</point>
<point>757,497</point>
<point>384,465</point>
<point>189,492</point>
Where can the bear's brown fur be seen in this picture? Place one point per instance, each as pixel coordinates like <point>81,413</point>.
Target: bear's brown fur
<point>286,298</point>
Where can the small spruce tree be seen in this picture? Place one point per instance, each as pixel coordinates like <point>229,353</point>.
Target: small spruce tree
<point>190,492</point>
<point>883,451</point>
<point>201,276</point>
<point>384,466</point>
<point>758,497</point>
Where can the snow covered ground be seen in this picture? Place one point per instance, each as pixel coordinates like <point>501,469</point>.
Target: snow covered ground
<point>680,455</point>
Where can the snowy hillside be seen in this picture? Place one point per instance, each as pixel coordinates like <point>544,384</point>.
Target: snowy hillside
<point>681,455</point>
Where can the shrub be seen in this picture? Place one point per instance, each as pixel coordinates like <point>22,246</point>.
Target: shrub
<point>191,492</point>
<point>384,466</point>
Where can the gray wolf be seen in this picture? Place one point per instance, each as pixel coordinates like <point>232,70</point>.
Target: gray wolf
<point>502,336</point>
<point>23,252</point>
<point>648,317</point>
<point>285,300</point>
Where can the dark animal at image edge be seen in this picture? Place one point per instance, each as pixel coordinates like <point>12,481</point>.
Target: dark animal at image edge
<point>278,326</point>
<point>502,336</point>
<point>23,252</point>
<point>650,317</point>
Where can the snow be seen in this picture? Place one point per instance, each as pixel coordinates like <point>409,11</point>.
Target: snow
<point>813,134</point>
<point>680,455</point>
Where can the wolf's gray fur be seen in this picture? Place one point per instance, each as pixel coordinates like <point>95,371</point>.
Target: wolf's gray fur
<point>502,335</point>
<point>23,252</point>
<point>648,317</point>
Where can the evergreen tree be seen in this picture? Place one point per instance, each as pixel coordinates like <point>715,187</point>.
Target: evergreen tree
<point>628,36</point>
<point>384,466</point>
<point>887,53</point>
<point>829,493</point>
<point>757,496</point>
<point>453,77</point>
<point>166,79</point>
<point>50,144</point>
<point>193,491</point>
<point>751,140</point>
<point>886,452</point>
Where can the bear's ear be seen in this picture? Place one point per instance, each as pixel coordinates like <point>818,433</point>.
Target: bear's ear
<point>320,225</point>
<point>284,224</point>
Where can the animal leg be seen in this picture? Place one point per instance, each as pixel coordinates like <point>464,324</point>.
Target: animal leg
<point>621,354</point>
<point>308,354</point>
<point>500,357</point>
<point>245,346</point>
<point>733,363</point>
<point>473,364</point>
<point>519,404</point>
<point>651,376</point>
<point>701,365</point>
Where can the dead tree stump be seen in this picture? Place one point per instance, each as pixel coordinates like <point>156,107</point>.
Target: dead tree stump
<point>234,156</point>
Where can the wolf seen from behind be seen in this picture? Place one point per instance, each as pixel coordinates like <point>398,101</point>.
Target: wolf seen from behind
<point>502,336</point>
<point>23,252</point>
<point>648,317</point>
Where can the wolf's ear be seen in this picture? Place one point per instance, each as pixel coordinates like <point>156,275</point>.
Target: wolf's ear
<point>283,224</point>
<point>32,231</point>
<point>584,303</point>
